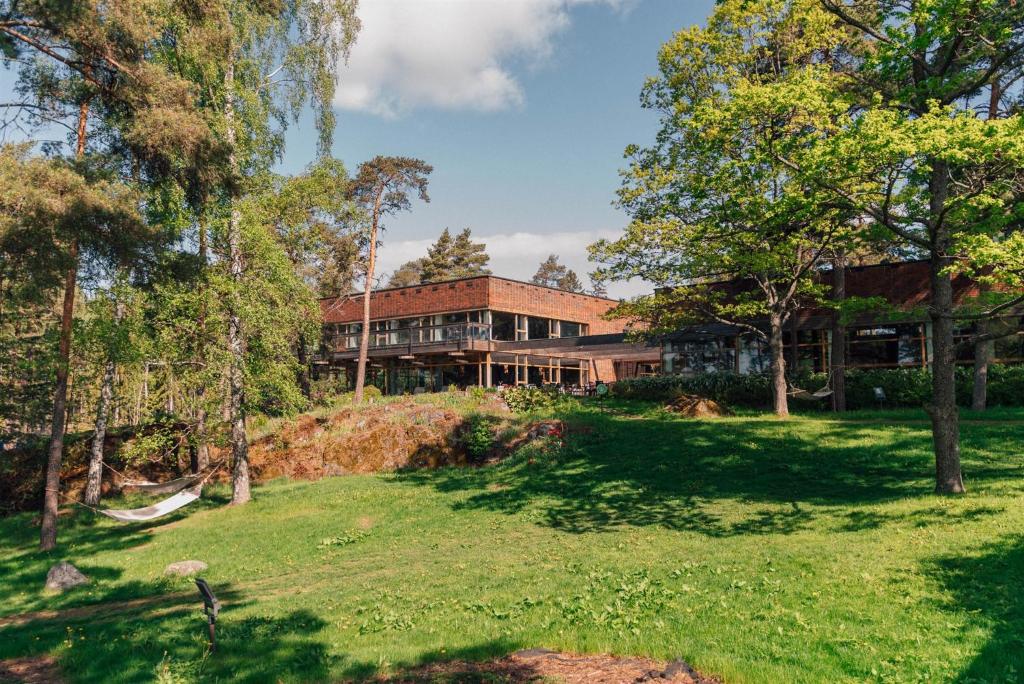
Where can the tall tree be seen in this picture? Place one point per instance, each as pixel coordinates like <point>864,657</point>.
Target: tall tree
<point>437,265</point>
<point>468,258</point>
<point>276,57</point>
<point>450,258</point>
<point>382,187</point>
<point>914,156</point>
<point>551,273</point>
<point>91,68</point>
<point>719,223</point>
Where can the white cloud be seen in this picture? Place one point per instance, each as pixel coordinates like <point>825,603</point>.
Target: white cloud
<point>517,255</point>
<point>449,54</point>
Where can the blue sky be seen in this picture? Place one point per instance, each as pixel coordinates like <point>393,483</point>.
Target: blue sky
<point>522,106</point>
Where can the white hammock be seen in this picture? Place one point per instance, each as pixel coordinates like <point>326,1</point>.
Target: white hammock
<point>157,510</point>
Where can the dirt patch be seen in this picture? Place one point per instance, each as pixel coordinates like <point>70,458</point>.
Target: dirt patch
<point>541,665</point>
<point>38,670</point>
<point>389,437</point>
<point>693,406</point>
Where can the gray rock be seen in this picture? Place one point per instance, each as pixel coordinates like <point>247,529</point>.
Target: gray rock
<point>185,568</point>
<point>63,576</point>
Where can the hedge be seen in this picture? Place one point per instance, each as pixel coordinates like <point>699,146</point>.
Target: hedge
<point>906,387</point>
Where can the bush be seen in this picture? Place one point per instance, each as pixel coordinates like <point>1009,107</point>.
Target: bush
<point>903,387</point>
<point>731,389</point>
<point>478,437</point>
<point>523,399</point>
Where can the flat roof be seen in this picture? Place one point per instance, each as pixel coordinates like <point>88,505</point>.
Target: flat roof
<point>476,277</point>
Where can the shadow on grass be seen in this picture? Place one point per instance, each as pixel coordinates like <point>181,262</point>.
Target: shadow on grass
<point>987,587</point>
<point>82,534</point>
<point>470,665</point>
<point>168,641</point>
<point>618,470</point>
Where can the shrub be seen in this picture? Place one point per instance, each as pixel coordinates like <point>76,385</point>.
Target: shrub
<point>903,387</point>
<point>523,399</point>
<point>478,437</point>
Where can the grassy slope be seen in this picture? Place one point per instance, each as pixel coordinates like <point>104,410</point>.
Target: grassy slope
<point>809,550</point>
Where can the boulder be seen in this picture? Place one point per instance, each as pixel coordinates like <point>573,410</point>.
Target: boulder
<point>185,568</point>
<point>64,576</point>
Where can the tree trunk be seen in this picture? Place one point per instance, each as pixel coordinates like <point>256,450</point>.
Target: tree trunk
<point>984,350</point>
<point>95,477</point>
<point>944,416</point>
<point>781,398</point>
<point>303,373</point>
<point>202,448</point>
<point>55,452</point>
<point>240,490</point>
<point>837,356</point>
<point>364,340</point>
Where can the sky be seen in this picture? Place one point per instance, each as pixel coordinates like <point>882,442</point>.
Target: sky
<point>523,107</point>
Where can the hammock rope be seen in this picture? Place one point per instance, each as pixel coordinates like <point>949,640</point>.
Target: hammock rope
<point>160,508</point>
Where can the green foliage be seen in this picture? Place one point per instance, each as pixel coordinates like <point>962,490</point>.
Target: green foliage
<point>523,399</point>
<point>903,387</point>
<point>350,537</point>
<point>550,273</point>
<point>478,436</point>
<point>154,444</point>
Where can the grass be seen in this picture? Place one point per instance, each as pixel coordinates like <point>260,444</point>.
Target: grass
<point>806,550</point>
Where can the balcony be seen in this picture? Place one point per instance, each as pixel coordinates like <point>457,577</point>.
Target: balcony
<point>445,337</point>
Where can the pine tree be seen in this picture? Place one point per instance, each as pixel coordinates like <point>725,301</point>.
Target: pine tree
<point>570,282</point>
<point>553,274</point>
<point>437,265</point>
<point>382,188</point>
<point>468,258</point>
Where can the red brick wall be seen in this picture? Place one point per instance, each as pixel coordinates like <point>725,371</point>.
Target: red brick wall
<point>532,300</point>
<point>484,292</point>
<point>419,300</point>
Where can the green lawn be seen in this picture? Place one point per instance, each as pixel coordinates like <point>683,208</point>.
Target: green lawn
<point>809,550</point>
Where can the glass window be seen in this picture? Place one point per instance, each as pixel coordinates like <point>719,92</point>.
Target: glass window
<point>569,329</point>
<point>538,328</point>
<point>503,326</point>
<point>881,346</point>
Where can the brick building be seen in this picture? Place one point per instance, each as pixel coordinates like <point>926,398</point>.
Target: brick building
<point>483,331</point>
<point>894,333</point>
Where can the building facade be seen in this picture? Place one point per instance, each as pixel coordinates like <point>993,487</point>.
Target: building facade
<point>484,331</point>
<point>895,333</point>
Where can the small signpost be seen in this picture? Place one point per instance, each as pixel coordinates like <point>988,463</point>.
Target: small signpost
<point>211,606</point>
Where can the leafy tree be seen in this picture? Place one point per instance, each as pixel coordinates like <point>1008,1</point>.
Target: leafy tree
<point>273,59</point>
<point>382,187</point>
<point>720,224</point>
<point>91,65</point>
<point>913,155</point>
<point>550,273</point>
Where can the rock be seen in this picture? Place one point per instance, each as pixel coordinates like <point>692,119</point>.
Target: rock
<point>63,576</point>
<point>185,568</point>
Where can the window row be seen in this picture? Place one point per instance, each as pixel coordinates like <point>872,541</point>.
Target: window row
<point>477,325</point>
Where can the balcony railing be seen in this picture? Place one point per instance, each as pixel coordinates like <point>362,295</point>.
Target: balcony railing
<point>412,337</point>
